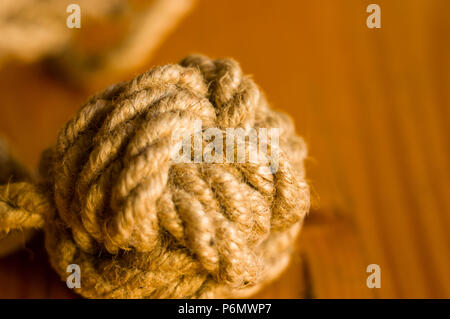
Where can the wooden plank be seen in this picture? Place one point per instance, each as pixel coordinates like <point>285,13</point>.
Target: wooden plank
<point>373,106</point>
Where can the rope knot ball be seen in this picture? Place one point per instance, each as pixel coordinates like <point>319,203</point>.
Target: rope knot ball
<point>140,225</point>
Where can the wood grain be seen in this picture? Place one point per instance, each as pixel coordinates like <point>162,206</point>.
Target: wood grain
<point>373,106</point>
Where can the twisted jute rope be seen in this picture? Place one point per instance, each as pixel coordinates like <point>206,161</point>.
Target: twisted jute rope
<point>35,29</point>
<point>32,29</point>
<point>113,201</point>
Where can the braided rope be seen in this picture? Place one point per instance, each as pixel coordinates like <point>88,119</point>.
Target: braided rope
<point>140,225</point>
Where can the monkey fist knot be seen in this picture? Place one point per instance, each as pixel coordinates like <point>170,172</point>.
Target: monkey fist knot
<point>143,226</point>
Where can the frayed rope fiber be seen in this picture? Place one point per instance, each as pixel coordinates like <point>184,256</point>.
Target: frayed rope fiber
<point>112,200</point>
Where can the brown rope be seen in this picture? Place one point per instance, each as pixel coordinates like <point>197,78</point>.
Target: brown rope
<point>22,206</point>
<point>34,29</point>
<point>18,217</point>
<point>141,226</point>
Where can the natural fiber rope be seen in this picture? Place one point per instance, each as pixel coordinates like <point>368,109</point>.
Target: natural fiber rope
<point>16,224</point>
<point>34,29</point>
<point>141,226</point>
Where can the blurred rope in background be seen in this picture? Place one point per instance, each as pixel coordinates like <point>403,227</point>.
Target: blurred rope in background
<point>35,29</point>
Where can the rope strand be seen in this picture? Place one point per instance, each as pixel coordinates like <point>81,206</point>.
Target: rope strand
<point>141,225</point>
<point>22,205</point>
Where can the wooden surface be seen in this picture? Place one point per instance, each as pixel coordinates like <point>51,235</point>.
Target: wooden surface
<point>373,106</point>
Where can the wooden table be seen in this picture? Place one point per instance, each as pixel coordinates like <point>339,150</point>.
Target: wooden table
<point>372,104</point>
